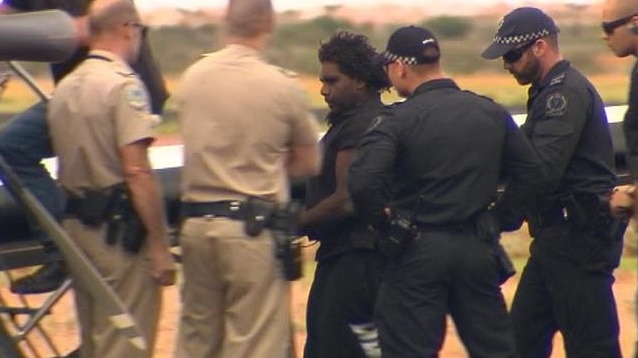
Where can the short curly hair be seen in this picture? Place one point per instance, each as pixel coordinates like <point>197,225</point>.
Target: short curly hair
<point>356,58</point>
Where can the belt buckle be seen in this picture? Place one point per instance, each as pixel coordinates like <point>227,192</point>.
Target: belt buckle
<point>234,206</point>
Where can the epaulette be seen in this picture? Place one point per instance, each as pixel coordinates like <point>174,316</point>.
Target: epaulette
<point>126,74</point>
<point>557,80</point>
<point>287,73</point>
<point>480,95</point>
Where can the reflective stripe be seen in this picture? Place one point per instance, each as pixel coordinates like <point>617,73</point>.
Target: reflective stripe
<point>368,338</point>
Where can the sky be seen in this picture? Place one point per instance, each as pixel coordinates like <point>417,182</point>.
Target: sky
<point>281,5</point>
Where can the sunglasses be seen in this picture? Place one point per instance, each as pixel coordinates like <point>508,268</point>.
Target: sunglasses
<point>143,28</point>
<point>517,53</point>
<point>610,26</point>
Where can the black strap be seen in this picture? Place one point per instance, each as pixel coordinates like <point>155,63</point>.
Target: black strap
<point>232,209</point>
<point>99,57</point>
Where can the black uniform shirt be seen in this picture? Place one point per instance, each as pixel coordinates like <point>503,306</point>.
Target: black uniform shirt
<point>443,144</point>
<point>630,125</point>
<point>568,128</point>
<point>145,66</point>
<point>345,133</point>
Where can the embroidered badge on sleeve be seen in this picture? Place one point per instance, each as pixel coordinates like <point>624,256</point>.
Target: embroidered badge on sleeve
<point>136,96</point>
<point>556,105</point>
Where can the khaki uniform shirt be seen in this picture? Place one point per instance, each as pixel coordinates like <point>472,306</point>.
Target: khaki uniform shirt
<point>97,109</point>
<point>239,117</point>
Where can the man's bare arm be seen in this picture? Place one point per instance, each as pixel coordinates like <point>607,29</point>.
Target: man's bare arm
<point>338,205</point>
<point>147,201</point>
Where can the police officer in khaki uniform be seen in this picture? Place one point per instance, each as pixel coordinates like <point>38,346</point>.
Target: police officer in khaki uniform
<point>100,127</point>
<point>245,126</point>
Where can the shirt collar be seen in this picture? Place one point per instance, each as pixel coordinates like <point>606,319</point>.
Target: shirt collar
<point>110,56</point>
<point>434,85</point>
<point>555,71</point>
<point>243,50</point>
<point>369,102</point>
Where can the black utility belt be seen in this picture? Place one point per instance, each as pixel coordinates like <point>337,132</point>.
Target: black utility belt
<point>113,207</point>
<point>460,226</point>
<point>556,216</point>
<point>232,209</point>
<point>259,214</point>
<point>584,211</point>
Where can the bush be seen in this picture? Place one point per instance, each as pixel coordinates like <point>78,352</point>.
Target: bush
<point>449,27</point>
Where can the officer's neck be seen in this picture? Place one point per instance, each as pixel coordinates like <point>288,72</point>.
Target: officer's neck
<point>417,82</point>
<point>547,63</point>
<point>114,47</point>
<point>258,42</point>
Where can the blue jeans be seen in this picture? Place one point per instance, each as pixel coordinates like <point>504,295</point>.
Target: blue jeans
<point>24,142</point>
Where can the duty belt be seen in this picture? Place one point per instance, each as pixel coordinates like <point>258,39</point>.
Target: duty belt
<point>457,226</point>
<point>557,215</point>
<point>232,209</point>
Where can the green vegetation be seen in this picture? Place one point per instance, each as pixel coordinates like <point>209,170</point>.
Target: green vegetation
<point>295,43</point>
<point>449,27</point>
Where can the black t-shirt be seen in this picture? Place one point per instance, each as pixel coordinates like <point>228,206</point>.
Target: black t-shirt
<point>345,133</point>
<point>630,124</point>
<point>145,66</point>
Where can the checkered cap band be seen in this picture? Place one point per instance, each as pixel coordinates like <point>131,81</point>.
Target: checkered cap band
<point>407,60</point>
<point>517,39</point>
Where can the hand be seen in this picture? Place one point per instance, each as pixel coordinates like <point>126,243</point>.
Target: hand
<point>162,266</point>
<point>622,201</point>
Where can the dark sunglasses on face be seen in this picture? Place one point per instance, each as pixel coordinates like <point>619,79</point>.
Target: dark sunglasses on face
<point>143,28</point>
<point>610,26</point>
<point>516,54</point>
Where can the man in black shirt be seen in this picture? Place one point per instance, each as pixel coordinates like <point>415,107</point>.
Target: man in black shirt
<point>340,305</point>
<point>566,285</point>
<point>620,28</point>
<point>24,142</point>
<point>432,165</point>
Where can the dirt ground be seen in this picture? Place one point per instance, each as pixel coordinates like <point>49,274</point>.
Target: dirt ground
<point>60,324</point>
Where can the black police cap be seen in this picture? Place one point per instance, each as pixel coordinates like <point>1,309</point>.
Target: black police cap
<point>520,26</point>
<point>409,45</point>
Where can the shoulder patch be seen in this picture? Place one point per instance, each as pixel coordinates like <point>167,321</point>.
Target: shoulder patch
<point>556,104</point>
<point>557,80</point>
<point>136,96</point>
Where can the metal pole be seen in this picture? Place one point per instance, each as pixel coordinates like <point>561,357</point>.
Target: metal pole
<point>29,80</point>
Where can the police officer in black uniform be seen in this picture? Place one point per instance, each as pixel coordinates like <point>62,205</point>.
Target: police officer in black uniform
<point>425,175</point>
<point>566,285</point>
<point>340,319</point>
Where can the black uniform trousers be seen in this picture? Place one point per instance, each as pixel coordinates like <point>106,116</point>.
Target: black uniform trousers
<point>567,286</point>
<point>341,306</point>
<point>441,272</point>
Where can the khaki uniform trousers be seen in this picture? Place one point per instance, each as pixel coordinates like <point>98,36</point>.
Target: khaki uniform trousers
<point>129,275</point>
<point>235,302</point>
